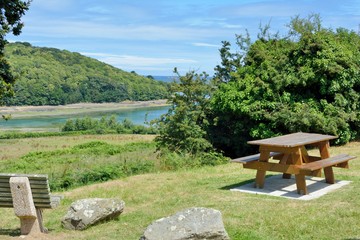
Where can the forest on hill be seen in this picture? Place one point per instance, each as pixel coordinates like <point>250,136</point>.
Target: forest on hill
<point>49,76</point>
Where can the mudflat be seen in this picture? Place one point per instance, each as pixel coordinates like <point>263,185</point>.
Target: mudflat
<point>28,111</point>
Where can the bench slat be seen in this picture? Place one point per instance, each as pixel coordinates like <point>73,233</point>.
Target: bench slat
<point>251,158</point>
<point>35,181</point>
<point>35,195</point>
<point>37,205</point>
<point>29,176</point>
<point>6,204</point>
<point>38,200</point>
<point>33,186</point>
<point>332,161</point>
<point>36,190</point>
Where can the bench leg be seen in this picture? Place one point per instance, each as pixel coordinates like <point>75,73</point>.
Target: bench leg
<point>260,179</point>
<point>329,175</point>
<point>23,205</point>
<point>40,220</point>
<point>301,184</point>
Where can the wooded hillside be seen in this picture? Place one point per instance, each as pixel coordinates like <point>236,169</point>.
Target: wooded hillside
<point>49,76</point>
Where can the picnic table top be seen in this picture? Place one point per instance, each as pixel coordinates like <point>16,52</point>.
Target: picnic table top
<point>293,140</point>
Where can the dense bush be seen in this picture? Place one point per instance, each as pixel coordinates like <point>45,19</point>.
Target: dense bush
<point>307,81</point>
<point>106,125</point>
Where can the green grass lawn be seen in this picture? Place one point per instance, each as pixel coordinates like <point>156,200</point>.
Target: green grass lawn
<point>246,216</point>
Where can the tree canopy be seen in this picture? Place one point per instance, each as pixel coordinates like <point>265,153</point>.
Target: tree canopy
<point>182,129</point>
<point>11,12</point>
<point>306,81</point>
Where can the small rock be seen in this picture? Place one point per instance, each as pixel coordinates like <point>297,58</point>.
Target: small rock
<point>190,224</point>
<point>87,212</point>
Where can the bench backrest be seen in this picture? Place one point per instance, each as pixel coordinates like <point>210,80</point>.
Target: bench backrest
<point>39,187</point>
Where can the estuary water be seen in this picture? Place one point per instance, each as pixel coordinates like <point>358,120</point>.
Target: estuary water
<point>136,115</point>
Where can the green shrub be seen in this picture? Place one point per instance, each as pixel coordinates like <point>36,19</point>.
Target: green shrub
<point>308,81</point>
<point>105,126</point>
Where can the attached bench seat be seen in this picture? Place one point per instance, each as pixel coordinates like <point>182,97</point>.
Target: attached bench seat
<point>340,160</point>
<point>312,168</point>
<point>252,158</point>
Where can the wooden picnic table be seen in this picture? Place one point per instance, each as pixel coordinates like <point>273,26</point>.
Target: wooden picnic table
<point>293,158</point>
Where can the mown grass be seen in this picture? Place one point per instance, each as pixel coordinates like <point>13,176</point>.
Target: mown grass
<point>246,216</point>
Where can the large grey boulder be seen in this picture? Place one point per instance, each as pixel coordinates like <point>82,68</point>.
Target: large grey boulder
<point>87,212</point>
<point>190,224</point>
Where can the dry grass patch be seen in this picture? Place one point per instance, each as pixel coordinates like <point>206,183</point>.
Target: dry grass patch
<point>15,148</point>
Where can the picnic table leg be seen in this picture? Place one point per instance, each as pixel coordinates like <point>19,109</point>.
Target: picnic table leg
<point>301,184</point>
<point>297,158</point>
<point>260,174</point>
<point>260,179</point>
<point>324,153</point>
<point>284,160</point>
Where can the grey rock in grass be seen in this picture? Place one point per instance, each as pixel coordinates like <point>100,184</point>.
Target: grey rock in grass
<point>190,224</point>
<point>87,212</point>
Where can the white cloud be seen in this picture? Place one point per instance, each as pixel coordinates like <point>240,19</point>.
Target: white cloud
<point>136,61</point>
<point>199,44</point>
<point>144,65</point>
<point>76,29</point>
<point>232,26</point>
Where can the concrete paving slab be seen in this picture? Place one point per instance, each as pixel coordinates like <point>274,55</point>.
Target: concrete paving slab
<point>277,186</point>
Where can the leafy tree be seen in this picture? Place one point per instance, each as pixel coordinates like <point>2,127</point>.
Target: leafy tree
<point>11,12</point>
<point>306,81</point>
<point>49,76</point>
<point>183,128</point>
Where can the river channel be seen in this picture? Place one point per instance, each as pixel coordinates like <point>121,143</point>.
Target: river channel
<point>54,123</point>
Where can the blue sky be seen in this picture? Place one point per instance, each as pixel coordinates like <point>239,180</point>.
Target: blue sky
<point>151,37</point>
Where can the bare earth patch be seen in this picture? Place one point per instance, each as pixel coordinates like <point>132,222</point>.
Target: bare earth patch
<point>27,111</point>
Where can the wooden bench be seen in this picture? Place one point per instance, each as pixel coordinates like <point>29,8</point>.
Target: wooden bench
<point>40,194</point>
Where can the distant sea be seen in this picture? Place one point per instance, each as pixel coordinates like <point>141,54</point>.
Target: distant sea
<point>164,78</point>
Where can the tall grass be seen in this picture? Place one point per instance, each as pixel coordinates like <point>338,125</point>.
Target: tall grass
<point>99,161</point>
<point>86,163</point>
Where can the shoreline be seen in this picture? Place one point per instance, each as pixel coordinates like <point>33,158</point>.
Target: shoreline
<point>70,109</point>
